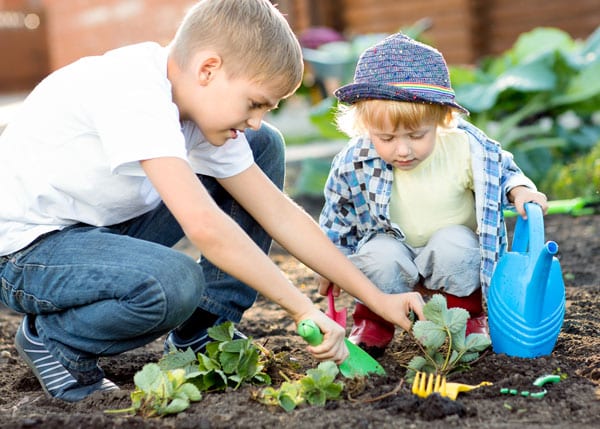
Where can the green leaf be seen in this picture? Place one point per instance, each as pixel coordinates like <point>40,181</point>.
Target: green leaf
<point>206,363</point>
<point>333,390</point>
<point>234,346</point>
<point>581,87</point>
<point>229,362</point>
<point>329,368</point>
<point>416,363</point>
<point>150,378</point>
<point>539,42</point>
<point>177,405</point>
<point>477,342</point>
<point>533,77</point>
<point>469,357</point>
<point>222,332</point>
<point>316,397</point>
<point>456,321</point>
<point>435,309</point>
<point>287,402</point>
<point>212,349</point>
<point>430,334</point>
<point>191,391</point>
<point>177,359</point>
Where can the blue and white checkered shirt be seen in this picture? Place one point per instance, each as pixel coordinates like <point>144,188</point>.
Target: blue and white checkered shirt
<point>359,186</point>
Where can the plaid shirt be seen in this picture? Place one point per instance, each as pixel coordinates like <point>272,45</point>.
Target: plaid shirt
<point>359,186</point>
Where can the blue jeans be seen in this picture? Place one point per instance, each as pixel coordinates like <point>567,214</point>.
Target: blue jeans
<point>100,291</point>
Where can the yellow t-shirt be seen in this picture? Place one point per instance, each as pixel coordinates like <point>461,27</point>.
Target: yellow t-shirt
<point>436,193</point>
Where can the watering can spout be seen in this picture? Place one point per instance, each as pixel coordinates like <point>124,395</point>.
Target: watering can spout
<point>540,275</point>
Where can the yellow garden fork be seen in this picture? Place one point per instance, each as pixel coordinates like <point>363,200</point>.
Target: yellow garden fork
<point>424,386</point>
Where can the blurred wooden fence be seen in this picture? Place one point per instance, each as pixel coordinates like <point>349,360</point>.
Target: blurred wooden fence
<point>38,36</point>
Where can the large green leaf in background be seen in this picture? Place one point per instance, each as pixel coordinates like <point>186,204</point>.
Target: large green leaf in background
<point>531,77</point>
<point>584,85</point>
<point>537,43</point>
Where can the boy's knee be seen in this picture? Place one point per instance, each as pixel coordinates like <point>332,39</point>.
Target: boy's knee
<point>181,283</point>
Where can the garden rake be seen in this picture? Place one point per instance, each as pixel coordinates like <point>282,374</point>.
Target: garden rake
<point>424,386</point>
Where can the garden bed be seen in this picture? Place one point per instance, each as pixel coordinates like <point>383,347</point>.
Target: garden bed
<point>572,402</point>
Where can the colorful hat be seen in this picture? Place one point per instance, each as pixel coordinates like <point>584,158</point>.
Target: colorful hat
<point>401,69</point>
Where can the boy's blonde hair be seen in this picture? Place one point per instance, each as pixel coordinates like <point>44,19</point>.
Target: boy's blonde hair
<point>252,37</point>
<point>357,118</point>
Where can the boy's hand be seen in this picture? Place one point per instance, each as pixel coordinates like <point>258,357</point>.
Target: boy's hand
<point>520,195</point>
<point>396,308</point>
<point>333,346</point>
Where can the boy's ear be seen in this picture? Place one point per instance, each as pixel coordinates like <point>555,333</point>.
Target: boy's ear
<point>207,66</point>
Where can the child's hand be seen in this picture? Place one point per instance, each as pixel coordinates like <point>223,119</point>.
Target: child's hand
<point>324,286</point>
<point>397,307</point>
<point>520,195</point>
<point>333,346</point>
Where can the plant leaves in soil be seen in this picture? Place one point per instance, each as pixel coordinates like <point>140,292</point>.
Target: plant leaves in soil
<point>373,402</point>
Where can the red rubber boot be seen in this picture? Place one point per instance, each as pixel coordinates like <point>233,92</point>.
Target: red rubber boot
<point>477,321</point>
<point>370,332</point>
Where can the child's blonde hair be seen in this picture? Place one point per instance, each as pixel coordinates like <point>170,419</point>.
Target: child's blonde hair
<point>252,37</point>
<point>355,119</point>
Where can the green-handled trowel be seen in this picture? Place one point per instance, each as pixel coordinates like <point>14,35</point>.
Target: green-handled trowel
<point>358,363</point>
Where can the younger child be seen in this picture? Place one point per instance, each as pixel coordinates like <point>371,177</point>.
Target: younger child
<point>416,197</point>
<point>114,158</point>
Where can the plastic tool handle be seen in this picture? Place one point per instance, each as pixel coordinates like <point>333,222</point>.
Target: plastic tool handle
<point>309,330</point>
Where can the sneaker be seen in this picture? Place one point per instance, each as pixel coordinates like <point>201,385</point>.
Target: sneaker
<point>56,381</point>
<point>198,342</point>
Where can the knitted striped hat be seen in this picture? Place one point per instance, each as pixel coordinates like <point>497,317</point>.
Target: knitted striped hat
<point>400,69</point>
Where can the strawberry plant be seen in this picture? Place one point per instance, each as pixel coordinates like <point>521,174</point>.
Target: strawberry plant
<point>442,339</point>
<point>168,387</point>
<point>226,362</point>
<point>315,388</point>
<point>159,392</point>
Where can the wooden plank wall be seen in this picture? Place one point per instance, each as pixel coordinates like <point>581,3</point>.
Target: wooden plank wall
<point>505,21</point>
<point>452,23</point>
<point>463,30</point>
<point>23,45</point>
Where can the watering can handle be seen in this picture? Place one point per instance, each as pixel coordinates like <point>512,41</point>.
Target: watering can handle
<point>529,233</point>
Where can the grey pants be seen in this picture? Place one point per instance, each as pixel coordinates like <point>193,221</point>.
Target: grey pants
<point>449,262</point>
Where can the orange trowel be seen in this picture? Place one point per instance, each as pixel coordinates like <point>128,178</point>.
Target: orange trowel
<point>358,364</point>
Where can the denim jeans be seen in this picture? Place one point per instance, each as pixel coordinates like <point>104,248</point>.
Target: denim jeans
<point>100,291</point>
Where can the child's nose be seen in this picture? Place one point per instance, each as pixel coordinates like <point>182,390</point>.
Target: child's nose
<point>403,149</point>
<point>254,121</point>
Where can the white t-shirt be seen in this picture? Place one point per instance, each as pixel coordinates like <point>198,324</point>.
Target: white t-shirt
<point>72,152</point>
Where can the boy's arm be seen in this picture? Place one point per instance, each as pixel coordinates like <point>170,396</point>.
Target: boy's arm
<point>223,242</point>
<point>297,232</point>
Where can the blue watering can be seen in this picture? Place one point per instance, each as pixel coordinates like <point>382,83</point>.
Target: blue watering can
<point>526,298</point>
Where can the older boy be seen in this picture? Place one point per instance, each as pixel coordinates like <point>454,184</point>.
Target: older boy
<point>114,158</point>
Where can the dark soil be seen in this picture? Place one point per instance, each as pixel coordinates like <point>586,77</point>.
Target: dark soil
<point>573,402</point>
